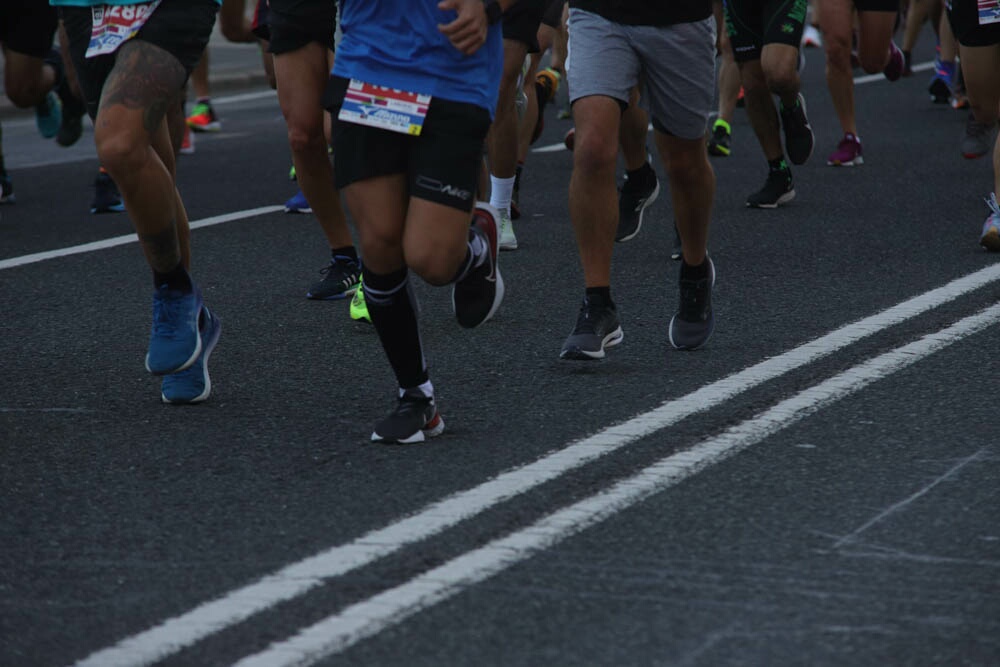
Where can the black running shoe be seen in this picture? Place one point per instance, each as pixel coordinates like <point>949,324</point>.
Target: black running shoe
<point>6,189</point>
<point>477,296</point>
<point>694,322</point>
<point>107,199</point>
<point>777,190</point>
<point>597,327</point>
<point>799,138</point>
<point>719,143</point>
<point>341,278</point>
<point>71,123</point>
<point>633,200</point>
<point>414,420</point>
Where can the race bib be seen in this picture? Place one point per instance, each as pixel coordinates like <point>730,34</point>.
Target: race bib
<point>384,108</point>
<point>989,11</point>
<point>113,25</point>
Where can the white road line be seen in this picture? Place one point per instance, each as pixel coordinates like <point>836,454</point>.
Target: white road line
<point>369,617</point>
<point>115,241</point>
<point>868,78</point>
<point>182,631</point>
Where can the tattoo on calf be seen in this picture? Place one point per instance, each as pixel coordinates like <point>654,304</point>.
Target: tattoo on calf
<point>162,248</point>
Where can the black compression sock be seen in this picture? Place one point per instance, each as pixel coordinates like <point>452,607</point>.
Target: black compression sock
<point>600,295</point>
<point>176,279</point>
<point>391,308</point>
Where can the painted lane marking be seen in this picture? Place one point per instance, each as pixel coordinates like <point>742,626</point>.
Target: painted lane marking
<point>369,617</point>
<point>115,241</point>
<point>179,632</point>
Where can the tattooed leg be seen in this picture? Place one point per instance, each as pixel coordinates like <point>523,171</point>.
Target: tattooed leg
<point>133,144</point>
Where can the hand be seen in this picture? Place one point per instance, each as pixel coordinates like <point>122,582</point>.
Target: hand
<point>469,29</point>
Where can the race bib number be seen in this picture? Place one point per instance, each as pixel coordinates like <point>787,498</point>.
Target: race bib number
<point>113,25</point>
<point>384,108</point>
<point>989,11</point>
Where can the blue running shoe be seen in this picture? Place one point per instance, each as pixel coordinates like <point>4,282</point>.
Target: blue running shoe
<point>48,115</point>
<point>194,385</point>
<point>298,204</point>
<point>106,199</point>
<point>175,342</point>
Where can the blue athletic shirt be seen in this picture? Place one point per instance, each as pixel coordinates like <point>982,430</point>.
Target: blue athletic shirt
<point>98,3</point>
<point>397,44</point>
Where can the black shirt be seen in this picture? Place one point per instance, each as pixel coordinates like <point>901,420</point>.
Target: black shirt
<point>647,12</point>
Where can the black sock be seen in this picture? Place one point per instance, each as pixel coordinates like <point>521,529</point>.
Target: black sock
<point>778,165</point>
<point>176,279</point>
<point>699,272</point>
<point>517,175</point>
<point>391,309</point>
<point>347,251</point>
<point>600,295</point>
<point>642,177</point>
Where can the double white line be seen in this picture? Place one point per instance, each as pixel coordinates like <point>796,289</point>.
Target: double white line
<point>370,616</point>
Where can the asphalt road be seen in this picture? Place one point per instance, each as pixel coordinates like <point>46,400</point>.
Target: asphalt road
<point>819,485</point>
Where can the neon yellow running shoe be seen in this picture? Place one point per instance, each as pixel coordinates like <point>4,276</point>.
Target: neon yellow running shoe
<point>359,309</point>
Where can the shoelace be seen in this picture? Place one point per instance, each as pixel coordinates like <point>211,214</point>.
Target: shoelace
<point>692,307</point>
<point>991,201</point>
<point>165,313</point>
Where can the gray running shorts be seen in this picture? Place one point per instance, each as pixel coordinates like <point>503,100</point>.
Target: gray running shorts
<point>674,65</point>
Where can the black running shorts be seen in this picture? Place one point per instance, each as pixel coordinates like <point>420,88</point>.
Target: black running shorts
<point>295,23</point>
<point>27,26</point>
<point>876,5</point>
<point>752,24</point>
<point>442,164</point>
<point>521,22</point>
<point>179,27</point>
<point>964,18</point>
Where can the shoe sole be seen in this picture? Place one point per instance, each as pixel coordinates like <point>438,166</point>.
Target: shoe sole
<point>434,428</point>
<point>349,292</point>
<point>646,204</point>
<point>211,127</point>
<point>850,163</point>
<point>812,147</point>
<point>783,199</point>
<point>120,208</point>
<point>991,241</point>
<point>579,354</point>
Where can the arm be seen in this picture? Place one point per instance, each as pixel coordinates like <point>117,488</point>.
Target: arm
<point>469,29</point>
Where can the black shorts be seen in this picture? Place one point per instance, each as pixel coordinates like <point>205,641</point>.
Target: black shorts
<point>876,5</point>
<point>28,26</point>
<point>752,24</point>
<point>963,15</point>
<point>179,27</point>
<point>553,13</point>
<point>260,26</point>
<point>295,23</point>
<point>521,22</point>
<point>442,164</point>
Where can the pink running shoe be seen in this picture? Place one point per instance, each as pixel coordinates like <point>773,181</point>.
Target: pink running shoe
<point>848,153</point>
<point>894,68</point>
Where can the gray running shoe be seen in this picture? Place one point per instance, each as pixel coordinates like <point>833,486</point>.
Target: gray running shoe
<point>694,322</point>
<point>978,139</point>
<point>597,327</point>
<point>777,190</point>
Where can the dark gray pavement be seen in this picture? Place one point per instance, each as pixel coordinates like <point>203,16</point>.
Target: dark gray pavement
<point>857,528</point>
